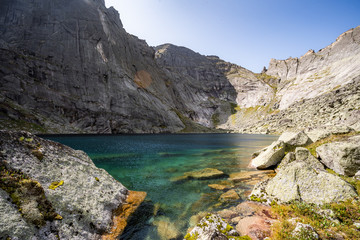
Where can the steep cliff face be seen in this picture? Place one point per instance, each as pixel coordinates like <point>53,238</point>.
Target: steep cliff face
<point>71,67</point>
<point>319,88</point>
<point>320,72</point>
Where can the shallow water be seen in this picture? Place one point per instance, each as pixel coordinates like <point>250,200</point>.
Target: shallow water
<point>149,162</point>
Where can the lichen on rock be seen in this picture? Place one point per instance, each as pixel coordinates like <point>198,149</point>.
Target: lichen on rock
<point>58,195</point>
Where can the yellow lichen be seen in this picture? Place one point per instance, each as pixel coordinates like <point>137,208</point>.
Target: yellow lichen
<point>54,185</point>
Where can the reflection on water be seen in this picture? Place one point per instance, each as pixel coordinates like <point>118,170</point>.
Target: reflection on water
<point>149,162</point>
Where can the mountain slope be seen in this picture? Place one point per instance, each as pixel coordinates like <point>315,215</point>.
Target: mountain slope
<point>316,89</point>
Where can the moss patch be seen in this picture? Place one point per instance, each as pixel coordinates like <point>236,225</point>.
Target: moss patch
<point>332,138</point>
<point>26,193</point>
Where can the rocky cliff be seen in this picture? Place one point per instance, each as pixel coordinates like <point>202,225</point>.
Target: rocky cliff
<point>70,67</point>
<point>319,88</point>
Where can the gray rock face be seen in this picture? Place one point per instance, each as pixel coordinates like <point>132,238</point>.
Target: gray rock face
<point>295,139</point>
<point>303,155</point>
<point>71,67</point>
<point>316,73</point>
<point>343,157</point>
<point>82,194</point>
<point>270,157</point>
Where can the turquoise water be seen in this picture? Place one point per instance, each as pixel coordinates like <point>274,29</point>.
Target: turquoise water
<point>150,162</point>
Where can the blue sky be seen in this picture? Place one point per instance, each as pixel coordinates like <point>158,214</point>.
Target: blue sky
<point>246,32</point>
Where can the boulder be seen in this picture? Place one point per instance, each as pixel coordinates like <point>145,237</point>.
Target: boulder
<point>295,139</point>
<point>212,227</point>
<point>63,188</point>
<point>325,131</point>
<point>270,157</point>
<point>343,156</point>
<point>305,231</point>
<point>299,181</point>
<point>256,227</point>
<point>304,155</point>
<point>289,157</point>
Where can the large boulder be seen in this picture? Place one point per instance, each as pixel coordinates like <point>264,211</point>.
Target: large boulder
<point>295,139</point>
<point>299,181</point>
<point>270,157</point>
<point>343,157</point>
<point>57,191</point>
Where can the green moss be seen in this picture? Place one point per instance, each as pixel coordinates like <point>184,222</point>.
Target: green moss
<point>215,119</point>
<point>192,236</point>
<point>21,138</point>
<point>257,199</point>
<point>24,191</point>
<point>55,185</point>
<point>38,153</point>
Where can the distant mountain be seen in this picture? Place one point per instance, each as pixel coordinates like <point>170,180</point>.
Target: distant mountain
<point>70,67</point>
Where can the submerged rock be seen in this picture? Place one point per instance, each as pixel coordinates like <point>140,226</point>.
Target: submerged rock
<point>83,205</point>
<point>343,156</point>
<point>206,173</point>
<point>230,195</point>
<point>166,229</point>
<point>270,157</point>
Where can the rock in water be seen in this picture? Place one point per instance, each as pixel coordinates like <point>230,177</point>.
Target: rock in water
<point>270,157</point>
<point>343,156</point>
<point>206,173</point>
<point>77,199</point>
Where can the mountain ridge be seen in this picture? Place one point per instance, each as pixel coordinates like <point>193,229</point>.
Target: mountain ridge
<point>72,68</point>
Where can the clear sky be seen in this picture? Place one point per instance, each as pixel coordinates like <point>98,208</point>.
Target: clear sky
<point>246,32</point>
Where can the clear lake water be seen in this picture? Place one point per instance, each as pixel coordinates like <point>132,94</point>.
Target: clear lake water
<point>150,163</point>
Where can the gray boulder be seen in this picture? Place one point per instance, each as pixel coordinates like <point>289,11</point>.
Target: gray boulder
<point>212,227</point>
<point>343,157</point>
<point>270,157</point>
<point>299,181</point>
<point>81,198</point>
<point>303,155</point>
<point>289,157</point>
<point>305,231</point>
<point>325,131</point>
<point>296,139</point>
